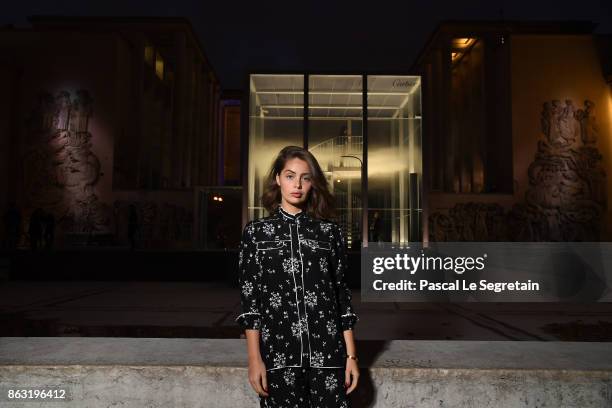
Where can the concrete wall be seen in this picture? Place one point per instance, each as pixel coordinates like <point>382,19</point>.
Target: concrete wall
<point>103,372</point>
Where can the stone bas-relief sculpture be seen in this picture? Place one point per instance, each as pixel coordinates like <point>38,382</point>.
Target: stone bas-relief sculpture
<point>566,197</point>
<point>60,169</point>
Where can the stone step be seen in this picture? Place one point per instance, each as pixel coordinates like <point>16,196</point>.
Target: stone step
<point>149,372</point>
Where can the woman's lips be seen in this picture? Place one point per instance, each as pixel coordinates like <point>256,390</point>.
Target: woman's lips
<point>296,194</point>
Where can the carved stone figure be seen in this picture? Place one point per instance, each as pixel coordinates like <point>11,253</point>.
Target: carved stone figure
<point>63,105</point>
<point>82,109</point>
<point>588,127</point>
<point>60,168</point>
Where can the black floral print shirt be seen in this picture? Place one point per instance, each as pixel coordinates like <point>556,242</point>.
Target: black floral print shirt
<point>291,277</point>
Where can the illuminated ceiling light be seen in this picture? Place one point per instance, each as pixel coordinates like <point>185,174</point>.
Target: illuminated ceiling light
<point>215,198</point>
<point>338,180</point>
<point>220,198</point>
<point>351,107</point>
<point>463,42</point>
<point>311,92</point>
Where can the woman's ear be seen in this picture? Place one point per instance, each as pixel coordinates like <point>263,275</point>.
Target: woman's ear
<point>277,178</point>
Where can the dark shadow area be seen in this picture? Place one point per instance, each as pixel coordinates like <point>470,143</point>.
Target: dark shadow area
<point>123,265</point>
<point>17,325</point>
<point>365,394</point>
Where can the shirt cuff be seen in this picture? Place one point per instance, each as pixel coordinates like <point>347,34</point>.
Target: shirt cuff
<point>348,321</point>
<point>249,321</point>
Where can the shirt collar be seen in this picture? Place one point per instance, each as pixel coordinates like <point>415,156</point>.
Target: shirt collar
<point>287,216</point>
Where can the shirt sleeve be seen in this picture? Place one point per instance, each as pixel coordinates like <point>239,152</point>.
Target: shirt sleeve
<point>249,278</point>
<point>340,267</point>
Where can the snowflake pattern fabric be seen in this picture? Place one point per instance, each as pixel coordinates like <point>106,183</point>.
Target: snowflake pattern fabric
<point>293,289</point>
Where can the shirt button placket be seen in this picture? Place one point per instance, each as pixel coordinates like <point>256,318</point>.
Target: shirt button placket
<point>300,292</point>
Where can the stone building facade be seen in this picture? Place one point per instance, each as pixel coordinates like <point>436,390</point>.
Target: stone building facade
<point>104,113</point>
<point>518,139</point>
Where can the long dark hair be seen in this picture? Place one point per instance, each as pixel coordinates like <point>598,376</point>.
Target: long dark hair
<point>320,202</point>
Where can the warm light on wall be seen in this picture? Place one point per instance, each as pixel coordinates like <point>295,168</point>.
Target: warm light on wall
<point>460,46</point>
<point>149,54</point>
<point>463,42</point>
<point>159,66</point>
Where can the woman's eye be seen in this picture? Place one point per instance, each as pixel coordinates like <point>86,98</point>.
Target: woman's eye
<point>289,176</point>
<point>306,178</point>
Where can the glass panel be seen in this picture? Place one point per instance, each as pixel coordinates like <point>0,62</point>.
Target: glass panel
<point>335,115</point>
<point>276,116</point>
<point>394,159</point>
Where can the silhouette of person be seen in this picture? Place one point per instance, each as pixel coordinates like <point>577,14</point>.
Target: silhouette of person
<point>35,228</point>
<point>376,228</point>
<point>132,225</point>
<point>220,237</point>
<point>12,226</point>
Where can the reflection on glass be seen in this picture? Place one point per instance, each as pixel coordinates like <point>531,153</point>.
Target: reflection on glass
<point>276,116</point>
<point>335,138</point>
<point>394,158</point>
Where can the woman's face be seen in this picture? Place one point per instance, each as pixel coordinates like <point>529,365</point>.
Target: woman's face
<point>295,182</point>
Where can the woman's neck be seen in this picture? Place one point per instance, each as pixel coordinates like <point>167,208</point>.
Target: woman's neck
<point>291,209</point>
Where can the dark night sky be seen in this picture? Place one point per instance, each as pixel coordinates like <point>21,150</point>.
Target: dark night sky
<point>295,35</point>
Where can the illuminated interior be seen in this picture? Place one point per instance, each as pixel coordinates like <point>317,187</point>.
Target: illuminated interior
<point>335,137</point>
<point>460,47</point>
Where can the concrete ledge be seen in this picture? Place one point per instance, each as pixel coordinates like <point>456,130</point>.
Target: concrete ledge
<point>103,372</point>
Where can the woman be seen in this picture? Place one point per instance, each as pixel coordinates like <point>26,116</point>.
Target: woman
<point>297,311</point>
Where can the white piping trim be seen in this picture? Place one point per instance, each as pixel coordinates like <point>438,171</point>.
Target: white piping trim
<point>348,314</point>
<point>297,303</point>
<point>279,368</point>
<point>303,295</point>
<point>246,314</point>
<point>326,367</point>
<point>318,243</point>
<point>279,245</point>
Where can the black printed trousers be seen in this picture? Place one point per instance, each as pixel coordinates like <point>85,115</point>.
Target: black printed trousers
<point>306,387</point>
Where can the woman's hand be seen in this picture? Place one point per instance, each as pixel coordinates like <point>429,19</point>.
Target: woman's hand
<point>257,376</point>
<point>351,375</point>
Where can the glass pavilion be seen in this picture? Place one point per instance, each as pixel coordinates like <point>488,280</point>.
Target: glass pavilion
<point>367,139</point>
